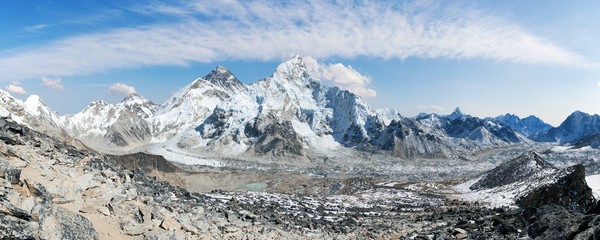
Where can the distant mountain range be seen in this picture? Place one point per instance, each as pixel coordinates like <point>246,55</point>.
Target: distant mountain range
<point>288,114</point>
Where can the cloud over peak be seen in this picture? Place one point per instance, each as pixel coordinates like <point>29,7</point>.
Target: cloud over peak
<point>121,89</point>
<point>341,75</point>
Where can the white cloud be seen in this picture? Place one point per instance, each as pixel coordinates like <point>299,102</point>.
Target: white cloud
<point>257,30</point>
<point>598,83</point>
<point>54,83</point>
<point>343,76</point>
<point>121,89</point>
<point>15,87</point>
<point>36,28</point>
<point>430,108</point>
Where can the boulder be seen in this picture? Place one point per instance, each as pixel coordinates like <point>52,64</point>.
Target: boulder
<point>59,223</point>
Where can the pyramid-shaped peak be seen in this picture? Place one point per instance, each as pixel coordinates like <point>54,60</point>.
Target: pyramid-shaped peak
<point>458,111</point>
<point>221,69</point>
<point>219,73</point>
<point>222,77</point>
<point>456,114</point>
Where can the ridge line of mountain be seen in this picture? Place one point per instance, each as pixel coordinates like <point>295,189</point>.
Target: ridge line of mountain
<point>290,114</point>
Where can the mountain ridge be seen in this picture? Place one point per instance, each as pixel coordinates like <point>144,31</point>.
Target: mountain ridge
<point>289,113</point>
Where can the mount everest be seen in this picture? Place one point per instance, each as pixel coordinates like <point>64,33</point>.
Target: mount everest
<point>288,114</point>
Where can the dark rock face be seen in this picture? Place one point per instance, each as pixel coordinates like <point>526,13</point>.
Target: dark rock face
<point>569,191</point>
<point>553,222</point>
<point>10,132</point>
<point>512,171</point>
<point>279,139</point>
<point>145,162</point>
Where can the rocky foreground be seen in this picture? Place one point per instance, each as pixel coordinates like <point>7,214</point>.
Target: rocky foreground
<point>51,190</point>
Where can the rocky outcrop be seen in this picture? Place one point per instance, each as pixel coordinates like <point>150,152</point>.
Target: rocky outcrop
<point>530,182</point>
<point>569,191</point>
<point>518,169</point>
<point>279,139</point>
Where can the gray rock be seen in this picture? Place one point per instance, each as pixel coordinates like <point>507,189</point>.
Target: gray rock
<point>16,228</point>
<point>59,223</point>
<point>13,175</point>
<point>135,230</point>
<point>554,222</point>
<point>3,167</point>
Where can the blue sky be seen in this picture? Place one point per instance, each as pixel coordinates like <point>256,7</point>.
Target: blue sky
<point>488,57</point>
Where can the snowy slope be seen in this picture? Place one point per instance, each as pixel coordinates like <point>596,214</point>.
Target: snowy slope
<point>33,113</point>
<point>104,126</point>
<point>287,114</point>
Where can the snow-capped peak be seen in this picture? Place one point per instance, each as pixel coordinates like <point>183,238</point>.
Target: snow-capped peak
<point>36,107</point>
<point>138,105</point>
<point>294,70</point>
<point>134,99</point>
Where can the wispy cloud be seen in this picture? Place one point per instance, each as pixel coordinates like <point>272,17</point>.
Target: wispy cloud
<point>121,89</point>
<point>257,30</point>
<point>36,28</point>
<point>15,87</point>
<point>430,108</point>
<point>54,83</point>
<point>341,75</point>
